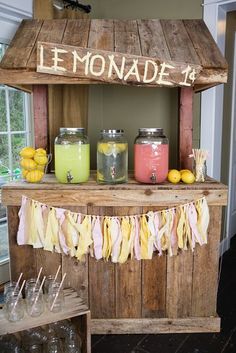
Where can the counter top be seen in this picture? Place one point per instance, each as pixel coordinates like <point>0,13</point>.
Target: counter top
<point>129,194</point>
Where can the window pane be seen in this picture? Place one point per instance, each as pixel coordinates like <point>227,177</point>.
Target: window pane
<point>3,235</point>
<point>3,113</point>
<point>4,150</point>
<point>16,104</point>
<point>17,143</point>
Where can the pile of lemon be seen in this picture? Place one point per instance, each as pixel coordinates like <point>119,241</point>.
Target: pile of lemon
<point>33,163</point>
<point>184,175</point>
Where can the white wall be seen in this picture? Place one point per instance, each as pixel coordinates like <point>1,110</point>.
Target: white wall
<point>11,14</point>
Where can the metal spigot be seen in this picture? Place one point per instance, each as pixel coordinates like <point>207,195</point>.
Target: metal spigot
<point>153,178</point>
<point>69,176</point>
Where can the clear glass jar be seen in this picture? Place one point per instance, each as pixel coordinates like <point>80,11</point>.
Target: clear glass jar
<point>48,282</point>
<point>56,298</point>
<point>72,156</point>
<point>34,303</point>
<point>151,156</point>
<point>54,345</point>
<point>14,308</point>
<point>112,157</point>
<point>72,342</point>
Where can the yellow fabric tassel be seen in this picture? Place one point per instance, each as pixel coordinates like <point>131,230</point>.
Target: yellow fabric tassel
<point>107,241</point>
<point>180,228</point>
<point>125,231</point>
<point>85,237</point>
<point>51,237</point>
<point>144,236</point>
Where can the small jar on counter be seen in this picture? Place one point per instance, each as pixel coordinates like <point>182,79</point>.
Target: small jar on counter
<point>151,156</point>
<point>72,156</point>
<point>112,157</point>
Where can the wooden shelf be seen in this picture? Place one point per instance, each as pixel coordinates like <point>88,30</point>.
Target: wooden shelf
<point>74,306</point>
<point>129,194</point>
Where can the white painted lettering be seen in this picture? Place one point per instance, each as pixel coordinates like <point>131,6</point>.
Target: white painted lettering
<point>146,71</point>
<point>56,59</point>
<point>189,74</point>
<point>133,71</point>
<point>85,59</point>
<point>41,59</point>
<point>162,73</point>
<point>112,65</point>
<point>91,65</point>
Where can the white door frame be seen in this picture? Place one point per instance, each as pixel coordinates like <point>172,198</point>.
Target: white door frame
<point>215,12</point>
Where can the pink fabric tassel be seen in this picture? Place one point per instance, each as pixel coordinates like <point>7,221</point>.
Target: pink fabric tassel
<point>60,214</point>
<point>192,216</point>
<point>21,233</point>
<point>97,238</point>
<point>116,238</point>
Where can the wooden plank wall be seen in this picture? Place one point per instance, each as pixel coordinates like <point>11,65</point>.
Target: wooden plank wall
<point>67,105</point>
<point>164,287</point>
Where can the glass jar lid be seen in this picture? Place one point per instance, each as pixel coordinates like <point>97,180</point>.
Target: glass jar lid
<point>112,131</point>
<point>151,130</point>
<point>64,130</point>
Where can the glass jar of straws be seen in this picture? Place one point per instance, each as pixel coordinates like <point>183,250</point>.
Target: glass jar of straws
<point>199,164</point>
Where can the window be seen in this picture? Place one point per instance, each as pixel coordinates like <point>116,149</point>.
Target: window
<point>15,133</point>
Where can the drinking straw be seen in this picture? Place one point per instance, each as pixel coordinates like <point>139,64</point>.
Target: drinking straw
<point>35,300</point>
<point>40,271</point>
<point>18,297</point>
<point>17,283</point>
<point>57,293</point>
<point>59,267</point>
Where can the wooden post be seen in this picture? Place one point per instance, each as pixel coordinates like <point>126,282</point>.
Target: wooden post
<point>185,126</point>
<point>40,110</point>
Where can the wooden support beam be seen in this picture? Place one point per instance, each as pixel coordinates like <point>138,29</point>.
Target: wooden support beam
<point>40,110</point>
<point>185,126</point>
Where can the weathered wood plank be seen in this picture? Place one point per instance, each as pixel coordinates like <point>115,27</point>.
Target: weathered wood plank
<point>179,285</point>
<point>21,46</point>
<point>40,109</point>
<point>76,271</point>
<point>206,48</point>
<point>152,39</point>
<point>127,37</point>
<point>48,261</point>
<point>154,283</point>
<point>205,269</point>
<point>101,35</point>
<point>185,127</point>
<point>76,33</point>
<point>83,323</point>
<point>22,258</point>
<point>51,31</point>
<point>155,326</point>
<point>128,279</point>
<point>116,197</point>
<point>178,41</point>
<point>102,283</point>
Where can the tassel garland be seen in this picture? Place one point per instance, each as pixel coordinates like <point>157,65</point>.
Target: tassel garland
<point>113,238</point>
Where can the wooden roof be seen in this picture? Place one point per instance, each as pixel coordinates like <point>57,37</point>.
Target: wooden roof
<point>184,41</point>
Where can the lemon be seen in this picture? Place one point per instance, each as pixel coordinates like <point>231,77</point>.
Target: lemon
<point>27,152</point>
<point>100,176</point>
<point>24,172</point>
<point>174,176</point>
<point>34,176</point>
<point>41,151</point>
<point>121,147</point>
<point>105,148</point>
<point>41,167</point>
<point>40,158</point>
<point>188,177</point>
<point>184,170</point>
<point>27,163</point>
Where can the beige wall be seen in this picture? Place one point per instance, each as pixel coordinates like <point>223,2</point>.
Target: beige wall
<point>132,107</point>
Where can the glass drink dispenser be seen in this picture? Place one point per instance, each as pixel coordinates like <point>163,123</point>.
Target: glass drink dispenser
<point>151,156</point>
<point>72,156</point>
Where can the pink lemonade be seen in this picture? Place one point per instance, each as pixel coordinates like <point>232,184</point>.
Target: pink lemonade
<point>151,162</point>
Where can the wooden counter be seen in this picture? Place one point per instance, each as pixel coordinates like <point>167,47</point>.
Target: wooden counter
<point>165,294</point>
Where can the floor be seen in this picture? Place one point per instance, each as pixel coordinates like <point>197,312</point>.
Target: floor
<point>223,342</point>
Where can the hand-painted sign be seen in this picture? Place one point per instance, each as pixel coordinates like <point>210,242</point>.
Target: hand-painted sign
<point>112,67</point>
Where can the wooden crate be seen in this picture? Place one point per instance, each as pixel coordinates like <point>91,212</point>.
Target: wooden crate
<point>75,309</point>
<point>165,294</point>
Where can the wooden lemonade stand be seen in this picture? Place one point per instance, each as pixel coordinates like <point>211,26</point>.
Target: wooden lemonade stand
<point>165,294</point>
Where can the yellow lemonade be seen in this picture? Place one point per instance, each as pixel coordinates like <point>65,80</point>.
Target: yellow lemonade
<point>72,163</point>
